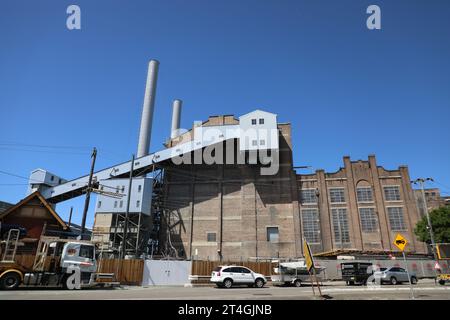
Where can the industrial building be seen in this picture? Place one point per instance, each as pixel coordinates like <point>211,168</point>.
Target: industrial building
<point>228,189</point>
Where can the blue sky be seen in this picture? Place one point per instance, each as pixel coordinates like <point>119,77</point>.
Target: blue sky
<point>345,89</point>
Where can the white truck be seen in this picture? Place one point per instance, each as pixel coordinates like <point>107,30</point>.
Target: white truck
<point>65,263</point>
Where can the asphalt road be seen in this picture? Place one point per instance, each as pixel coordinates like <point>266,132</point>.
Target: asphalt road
<point>426,289</point>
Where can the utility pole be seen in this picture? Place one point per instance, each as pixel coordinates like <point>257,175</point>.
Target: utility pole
<point>125,227</point>
<point>88,192</point>
<point>70,216</point>
<point>421,181</point>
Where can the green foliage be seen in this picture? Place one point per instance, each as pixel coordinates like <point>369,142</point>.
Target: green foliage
<point>440,221</point>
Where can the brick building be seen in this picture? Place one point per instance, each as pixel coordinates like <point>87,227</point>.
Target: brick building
<point>231,211</point>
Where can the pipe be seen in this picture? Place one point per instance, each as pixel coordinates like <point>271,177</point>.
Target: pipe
<point>145,130</point>
<point>176,115</point>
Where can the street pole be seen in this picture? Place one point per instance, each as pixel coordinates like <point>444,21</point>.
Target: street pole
<point>125,227</point>
<point>88,193</point>
<point>411,291</point>
<point>421,181</point>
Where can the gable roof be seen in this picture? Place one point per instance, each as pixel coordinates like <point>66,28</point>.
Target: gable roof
<point>33,195</point>
<point>257,111</point>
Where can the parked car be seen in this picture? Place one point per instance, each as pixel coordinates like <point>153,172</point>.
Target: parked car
<point>356,272</point>
<point>228,276</point>
<point>394,275</point>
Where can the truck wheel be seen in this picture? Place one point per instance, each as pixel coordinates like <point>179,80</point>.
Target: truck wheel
<point>297,283</point>
<point>10,281</point>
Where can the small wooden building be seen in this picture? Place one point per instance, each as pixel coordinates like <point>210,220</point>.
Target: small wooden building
<point>33,213</point>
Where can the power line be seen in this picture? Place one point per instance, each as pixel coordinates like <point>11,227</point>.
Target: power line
<point>40,145</point>
<point>43,151</point>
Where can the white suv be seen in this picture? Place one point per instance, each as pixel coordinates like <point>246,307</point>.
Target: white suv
<point>227,276</point>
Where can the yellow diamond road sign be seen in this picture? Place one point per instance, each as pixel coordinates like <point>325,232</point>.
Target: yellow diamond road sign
<point>400,242</point>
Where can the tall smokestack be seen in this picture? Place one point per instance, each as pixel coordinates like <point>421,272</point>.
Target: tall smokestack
<point>176,114</point>
<point>145,131</point>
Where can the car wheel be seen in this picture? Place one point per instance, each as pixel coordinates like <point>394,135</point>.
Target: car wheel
<point>259,283</point>
<point>10,281</point>
<point>394,281</point>
<point>413,280</point>
<point>297,283</point>
<point>228,283</point>
<point>351,283</point>
<point>441,282</point>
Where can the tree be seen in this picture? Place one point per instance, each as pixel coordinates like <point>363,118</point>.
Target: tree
<point>440,221</point>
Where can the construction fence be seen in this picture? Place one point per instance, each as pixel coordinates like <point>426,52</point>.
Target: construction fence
<point>128,272</point>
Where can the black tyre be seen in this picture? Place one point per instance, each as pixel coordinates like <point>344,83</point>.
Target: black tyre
<point>10,281</point>
<point>351,283</point>
<point>297,283</point>
<point>394,281</point>
<point>228,283</point>
<point>442,282</point>
<point>413,280</point>
<point>259,283</point>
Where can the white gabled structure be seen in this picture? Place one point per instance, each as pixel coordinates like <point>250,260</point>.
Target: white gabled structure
<point>258,131</point>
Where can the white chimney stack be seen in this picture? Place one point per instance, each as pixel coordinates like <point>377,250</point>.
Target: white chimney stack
<point>145,131</point>
<point>176,115</point>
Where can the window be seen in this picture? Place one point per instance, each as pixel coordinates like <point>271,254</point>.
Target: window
<point>52,178</point>
<point>254,142</point>
<point>340,225</point>
<point>138,203</point>
<point>87,251</point>
<point>392,193</point>
<point>123,189</point>
<point>211,237</point>
<point>244,270</point>
<point>368,219</point>
<point>364,194</point>
<point>139,188</point>
<point>121,204</point>
<point>115,204</point>
<point>117,189</point>
<point>396,218</point>
<point>261,121</point>
<point>310,224</point>
<point>308,196</point>
<point>99,204</point>
<point>272,234</point>
<point>253,121</point>
<point>262,142</point>
<point>337,195</point>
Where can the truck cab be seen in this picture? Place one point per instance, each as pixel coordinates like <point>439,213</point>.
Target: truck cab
<point>58,262</point>
<point>356,272</point>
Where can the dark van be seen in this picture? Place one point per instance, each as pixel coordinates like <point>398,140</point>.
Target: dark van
<point>356,272</point>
